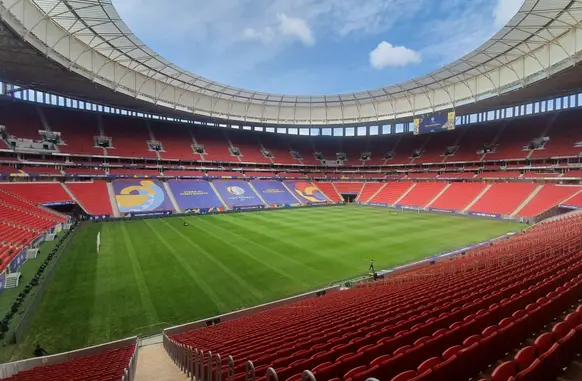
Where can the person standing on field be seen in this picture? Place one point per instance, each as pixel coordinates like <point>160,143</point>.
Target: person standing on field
<point>371,268</point>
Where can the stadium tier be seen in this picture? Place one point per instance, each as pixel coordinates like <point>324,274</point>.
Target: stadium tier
<point>330,191</point>
<point>548,197</point>
<point>39,193</point>
<point>422,194</point>
<point>473,317</point>
<point>458,196</point>
<point>109,365</point>
<point>503,198</point>
<point>391,193</point>
<point>93,197</point>
<point>369,190</point>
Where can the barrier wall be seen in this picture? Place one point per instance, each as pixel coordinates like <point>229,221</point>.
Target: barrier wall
<point>306,192</point>
<point>141,196</point>
<point>195,194</point>
<point>273,192</point>
<point>237,193</point>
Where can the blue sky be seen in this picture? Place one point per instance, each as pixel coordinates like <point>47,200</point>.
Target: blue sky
<point>314,46</point>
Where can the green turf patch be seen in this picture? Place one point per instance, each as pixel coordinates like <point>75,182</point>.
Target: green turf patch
<point>154,273</point>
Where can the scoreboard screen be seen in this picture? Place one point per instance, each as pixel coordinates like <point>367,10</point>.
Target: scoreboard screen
<point>434,123</point>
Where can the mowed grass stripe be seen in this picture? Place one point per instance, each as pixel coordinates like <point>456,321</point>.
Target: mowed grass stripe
<point>216,262</point>
<point>225,262</point>
<point>150,312</point>
<point>232,242</point>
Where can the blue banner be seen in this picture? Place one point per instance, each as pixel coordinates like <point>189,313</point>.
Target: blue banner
<point>138,196</point>
<point>150,214</point>
<point>18,261</point>
<point>434,123</point>
<point>2,278</point>
<point>194,194</point>
<point>437,210</point>
<point>570,206</point>
<point>57,203</point>
<point>249,207</point>
<point>482,214</point>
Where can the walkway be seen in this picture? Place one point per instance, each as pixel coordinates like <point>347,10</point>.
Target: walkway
<point>154,364</point>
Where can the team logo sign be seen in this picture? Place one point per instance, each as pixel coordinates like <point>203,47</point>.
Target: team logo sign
<point>308,191</point>
<point>147,196</point>
<point>237,191</point>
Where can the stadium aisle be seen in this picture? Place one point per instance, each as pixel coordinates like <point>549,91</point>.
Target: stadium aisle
<point>153,363</point>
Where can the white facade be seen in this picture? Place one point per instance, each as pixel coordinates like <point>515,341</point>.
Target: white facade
<point>90,39</point>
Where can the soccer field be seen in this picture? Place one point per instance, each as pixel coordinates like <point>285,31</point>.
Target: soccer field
<point>153,273</point>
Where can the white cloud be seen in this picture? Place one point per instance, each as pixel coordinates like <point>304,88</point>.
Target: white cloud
<point>295,27</point>
<point>505,10</point>
<point>387,55</point>
<point>265,35</point>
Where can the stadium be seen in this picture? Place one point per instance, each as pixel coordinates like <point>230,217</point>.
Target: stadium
<point>158,225</point>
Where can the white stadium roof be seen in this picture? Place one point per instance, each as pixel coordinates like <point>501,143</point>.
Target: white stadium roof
<point>89,38</point>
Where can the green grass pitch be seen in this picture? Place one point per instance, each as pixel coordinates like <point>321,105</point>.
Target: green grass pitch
<point>157,272</point>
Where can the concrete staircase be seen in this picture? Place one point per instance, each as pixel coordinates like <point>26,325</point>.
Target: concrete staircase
<point>438,195</point>
<point>112,200</point>
<point>478,197</point>
<point>172,198</point>
<point>527,200</point>
<point>405,193</point>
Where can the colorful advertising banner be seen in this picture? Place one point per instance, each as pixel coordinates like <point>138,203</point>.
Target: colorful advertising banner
<point>194,194</point>
<point>306,192</point>
<point>273,192</point>
<point>435,123</point>
<point>483,214</point>
<point>237,193</point>
<point>141,196</point>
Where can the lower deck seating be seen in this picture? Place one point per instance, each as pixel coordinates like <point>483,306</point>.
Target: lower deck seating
<point>468,320</point>
<point>422,194</point>
<point>102,366</point>
<point>329,191</point>
<point>391,192</point>
<point>93,196</point>
<point>549,196</point>
<point>574,201</point>
<point>39,193</point>
<point>458,196</point>
<point>503,198</point>
<point>369,190</point>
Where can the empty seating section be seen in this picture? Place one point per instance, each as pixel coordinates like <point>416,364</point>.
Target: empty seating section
<point>472,141</point>
<point>434,150</point>
<point>108,365</point>
<point>249,148</point>
<point>574,201</point>
<point>84,171</point>
<point>549,196</point>
<point>329,190</point>
<point>469,319</point>
<point>176,141</point>
<point>279,150</point>
<point>503,198</point>
<point>515,136</point>
<point>537,175</point>
<point>93,196</point>
<point>216,146</point>
<point>42,171</point>
<point>129,137</point>
<point>369,190</point>
<point>20,211</point>
<point>405,148</point>
<point>6,169</point>
<point>225,174</point>
<point>422,175</point>
<point>458,196</point>
<point>573,174</point>
<point>457,175</point>
<point>77,129</point>
<point>38,193</point>
<point>564,135</point>
<point>391,192</point>
<point>21,120</point>
<point>499,175</point>
<point>260,174</point>
<point>422,194</point>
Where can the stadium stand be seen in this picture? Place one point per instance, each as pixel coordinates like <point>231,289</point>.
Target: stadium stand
<point>134,172</point>
<point>84,171</point>
<point>77,129</point>
<point>110,365</point>
<point>515,137</point>
<point>176,142</point>
<point>499,175</point>
<point>457,175</point>
<point>474,140</point>
<point>41,171</point>
<point>563,137</point>
<point>503,198</point>
<point>6,169</point>
<point>369,190</point>
<point>391,192</point>
<point>469,318</point>
<point>92,196</point>
<point>215,144</point>
<point>224,174</point>
<point>422,194</point>
<point>129,137</point>
<point>458,196</point>
<point>39,193</point>
<point>575,201</point>
<point>330,191</point>
<point>549,196</point>
<point>174,172</point>
<point>249,148</point>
